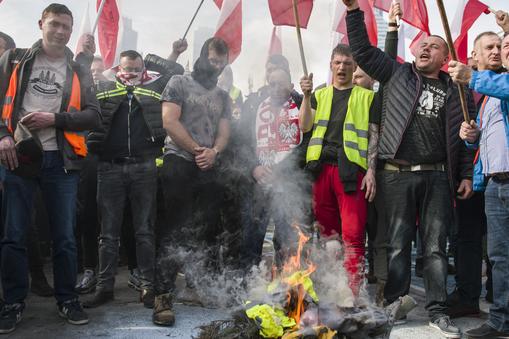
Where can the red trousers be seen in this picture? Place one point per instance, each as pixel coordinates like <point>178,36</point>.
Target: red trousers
<point>344,215</point>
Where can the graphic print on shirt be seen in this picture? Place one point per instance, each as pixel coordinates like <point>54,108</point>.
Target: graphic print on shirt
<point>431,101</point>
<point>45,84</point>
<point>277,131</point>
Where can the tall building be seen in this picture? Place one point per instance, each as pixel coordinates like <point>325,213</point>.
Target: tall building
<point>129,36</point>
<point>199,37</point>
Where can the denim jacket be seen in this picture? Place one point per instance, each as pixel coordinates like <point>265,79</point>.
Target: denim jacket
<point>494,85</point>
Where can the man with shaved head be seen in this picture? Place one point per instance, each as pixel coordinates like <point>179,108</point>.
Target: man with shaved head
<point>422,162</point>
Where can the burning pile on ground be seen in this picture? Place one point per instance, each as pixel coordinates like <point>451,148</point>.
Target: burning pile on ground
<point>307,299</point>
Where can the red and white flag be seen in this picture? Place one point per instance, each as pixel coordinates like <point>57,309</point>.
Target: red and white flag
<point>414,25</point>
<point>229,26</point>
<point>282,12</point>
<point>85,29</point>
<point>276,43</point>
<point>339,24</point>
<point>219,3</point>
<point>109,30</point>
<point>467,13</point>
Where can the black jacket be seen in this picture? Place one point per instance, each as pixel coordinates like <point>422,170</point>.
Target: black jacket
<point>89,117</point>
<point>402,85</point>
<point>148,105</point>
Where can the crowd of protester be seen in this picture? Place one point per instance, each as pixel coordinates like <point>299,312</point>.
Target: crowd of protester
<point>176,171</point>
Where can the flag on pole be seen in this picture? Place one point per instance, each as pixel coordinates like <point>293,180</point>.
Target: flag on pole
<point>85,29</point>
<point>276,44</point>
<point>282,12</point>
<point>109,31</point>
<point>468,12</point>
<point>229,26</point>
<point>339,24</point>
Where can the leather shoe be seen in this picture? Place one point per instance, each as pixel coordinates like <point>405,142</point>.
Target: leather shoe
<point>485,332</point>
<point>99,298</point>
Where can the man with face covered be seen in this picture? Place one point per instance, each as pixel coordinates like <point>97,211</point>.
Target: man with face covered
<point>126,144</point>
<point>196,115</point>
<point>422,161</point>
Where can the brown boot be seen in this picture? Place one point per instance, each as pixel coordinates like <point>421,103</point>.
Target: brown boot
<point>163,314</point>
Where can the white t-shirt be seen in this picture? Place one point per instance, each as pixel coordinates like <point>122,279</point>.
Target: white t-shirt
<point>44,94</point>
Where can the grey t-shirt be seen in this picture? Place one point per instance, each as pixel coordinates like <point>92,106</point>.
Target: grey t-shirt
<point>44,94</point>
<point>201,111</point>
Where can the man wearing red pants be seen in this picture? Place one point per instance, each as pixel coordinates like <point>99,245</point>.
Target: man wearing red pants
<point>342,155</point>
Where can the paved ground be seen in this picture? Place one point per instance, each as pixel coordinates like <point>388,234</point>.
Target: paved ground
<point>126,318</point>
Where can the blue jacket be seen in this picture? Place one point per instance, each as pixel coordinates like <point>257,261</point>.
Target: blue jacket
<point>494,85</point>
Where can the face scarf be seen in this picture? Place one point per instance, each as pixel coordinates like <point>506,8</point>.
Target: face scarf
<point>203,71</point>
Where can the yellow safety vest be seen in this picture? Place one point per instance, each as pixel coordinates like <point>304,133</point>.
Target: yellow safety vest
<point>355,128</point>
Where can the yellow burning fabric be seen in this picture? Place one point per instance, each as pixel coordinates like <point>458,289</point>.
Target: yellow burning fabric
<point>272,321</point>
<point>321,332</point>
<point>297,278</point>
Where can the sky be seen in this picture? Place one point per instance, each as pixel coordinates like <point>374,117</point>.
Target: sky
<point>160,22</point>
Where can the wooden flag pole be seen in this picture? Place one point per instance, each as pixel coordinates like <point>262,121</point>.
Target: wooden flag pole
<point>192,20</point>
<point>454,56</point>
<point>99,12</point>
<point>299,37</point>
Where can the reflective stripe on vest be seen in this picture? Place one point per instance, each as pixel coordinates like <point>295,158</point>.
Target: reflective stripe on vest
<point>122,90</point>
<point>355,128</point>
<point>75,139</point>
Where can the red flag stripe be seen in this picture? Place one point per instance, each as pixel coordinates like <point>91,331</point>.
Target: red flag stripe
<point>473,9</point>
<point>415,12</point>
<point>107,28</point>
<point>367,7</point>
<point>282,12</point>
<point>229,27</point>
<point>219,3</point>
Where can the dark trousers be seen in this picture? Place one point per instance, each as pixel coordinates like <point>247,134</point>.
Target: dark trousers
<point>471,221</point>
<point>191,235</point>
<point>117,183</point>
<point>87,223</point>
<point>427,194</point>
<point>59,191</point>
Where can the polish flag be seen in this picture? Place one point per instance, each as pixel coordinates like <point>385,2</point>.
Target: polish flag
<point>339,23</point>
<point>229,26</point>
<point>109,30</point>
<point>414,25</point>
<point>276,45</point>
<point>85,29</point>
<point>467,13</point>
<point>282,12</point>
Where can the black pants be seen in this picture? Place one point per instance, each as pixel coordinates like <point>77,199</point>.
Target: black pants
<point>87,220</point>
<point>191,236</point>
<point>427,194</point>
<point>471,221</point>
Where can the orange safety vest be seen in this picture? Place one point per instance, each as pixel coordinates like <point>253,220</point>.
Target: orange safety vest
<point>75,139</point>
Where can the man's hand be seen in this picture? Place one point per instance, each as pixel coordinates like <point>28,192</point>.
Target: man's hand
<point>89,44</point>
<point>179,47</point>
<point>465,190</point>
<point>460,73</point>
<point>8,155</point>
<point>351,4</point>
<point>469,131</point>
<point>38,120</point>
<point>369,184</point>
<point>205,157</point>
<point>395,11</point>
<point>502,20</point>
<point>306,84</point>
<point>261,174</point>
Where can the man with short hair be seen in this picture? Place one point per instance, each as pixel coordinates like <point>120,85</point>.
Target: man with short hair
<point>196,115</point>
<point>129,140</point>
<point>47,100</point>
<point>423,162</point>
<point>490,136</point>
<point>342,156</point>
<point>470,216</point>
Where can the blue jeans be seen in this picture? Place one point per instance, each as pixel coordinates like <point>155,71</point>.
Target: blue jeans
<point>497,214</point>
<point>59,191</point>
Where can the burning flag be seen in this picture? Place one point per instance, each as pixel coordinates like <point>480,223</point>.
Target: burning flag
<point>229,26</point>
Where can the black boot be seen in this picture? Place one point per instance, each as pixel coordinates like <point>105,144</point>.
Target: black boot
<point>100,298</point>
